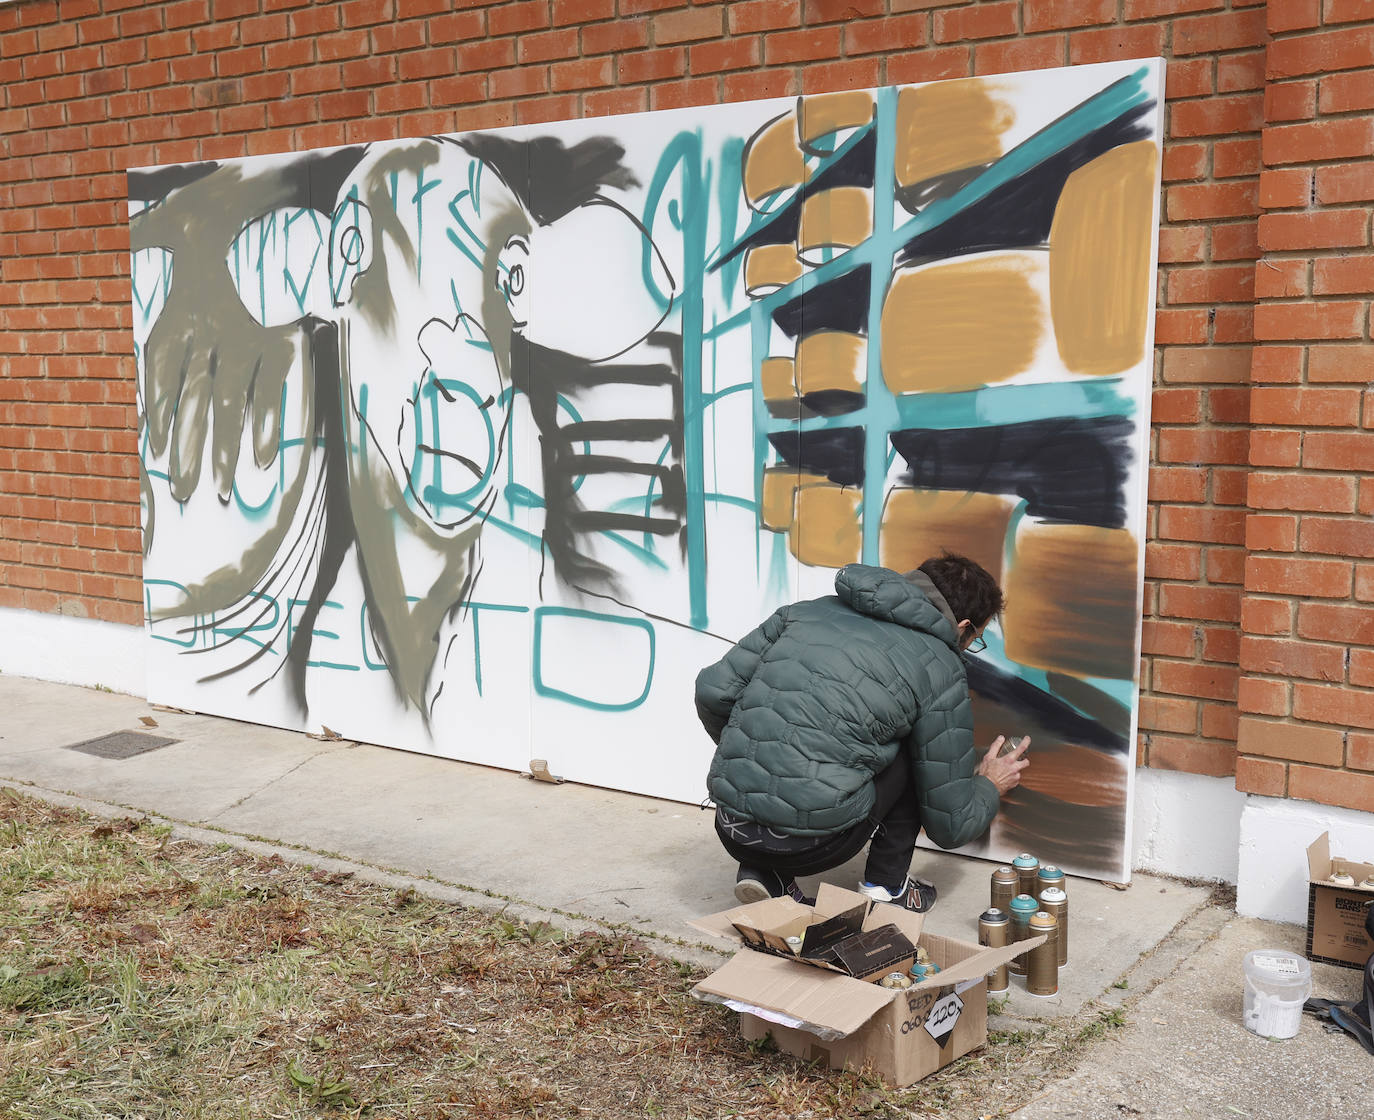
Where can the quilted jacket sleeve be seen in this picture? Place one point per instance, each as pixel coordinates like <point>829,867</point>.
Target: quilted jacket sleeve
<point>957,803</point>
<point>720,685</point>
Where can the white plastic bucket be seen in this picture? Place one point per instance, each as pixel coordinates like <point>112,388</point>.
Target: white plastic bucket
<point>1277,984</point>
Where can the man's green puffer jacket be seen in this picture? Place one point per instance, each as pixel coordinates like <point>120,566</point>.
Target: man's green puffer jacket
<point>808,707</point>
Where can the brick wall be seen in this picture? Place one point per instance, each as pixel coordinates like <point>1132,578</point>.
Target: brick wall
<point>1258,564</point>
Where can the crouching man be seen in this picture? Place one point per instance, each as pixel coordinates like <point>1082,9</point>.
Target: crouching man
<point>845,720</point>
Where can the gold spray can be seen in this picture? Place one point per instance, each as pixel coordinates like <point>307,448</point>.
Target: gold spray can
<point>1027,867</point>
<point>1005,886</point>
<point>1022,907</point>
<point>1042,962</point>
<point>1054,900</point>
<point>993,930</point>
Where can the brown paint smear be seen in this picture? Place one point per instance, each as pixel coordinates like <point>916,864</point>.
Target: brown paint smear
<point>831,112</point>
<point>770,267</point>
<point>776,376</point>
<point>918,524</point>
<point>947,126</point>
<point>831,360</point>
<point>827,530</point>
<point>835,219</point>
<point>1100,273</point>
<point>1073,600</point>
<point>953,327</point>
<point>773,161</point>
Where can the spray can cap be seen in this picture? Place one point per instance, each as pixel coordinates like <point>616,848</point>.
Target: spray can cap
<point>992,916</point>
<point>1053,894</point>
<point>1049,871</point>
<point>1025,859</point>
<point>1043,920</point>
<point>1024,904</point>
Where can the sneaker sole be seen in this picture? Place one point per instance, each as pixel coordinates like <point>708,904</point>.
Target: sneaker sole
<point>750,890</point>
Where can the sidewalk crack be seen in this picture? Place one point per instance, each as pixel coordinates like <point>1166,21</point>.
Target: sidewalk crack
<point>269,784</point>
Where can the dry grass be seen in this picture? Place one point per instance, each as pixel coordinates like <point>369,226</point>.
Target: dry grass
<point>145,977</point>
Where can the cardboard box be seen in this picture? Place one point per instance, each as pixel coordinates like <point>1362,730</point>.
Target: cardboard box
<point>1336,915</point>
<point>816,1011</point>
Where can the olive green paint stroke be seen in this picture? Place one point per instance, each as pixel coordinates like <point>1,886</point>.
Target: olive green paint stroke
<point>236,581</point>
<point>371,294</point>
<point>206,357</point>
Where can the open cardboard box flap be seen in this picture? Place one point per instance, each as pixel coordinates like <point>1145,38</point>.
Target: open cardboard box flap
<point>1320,865</point>
<point>825,1002</point>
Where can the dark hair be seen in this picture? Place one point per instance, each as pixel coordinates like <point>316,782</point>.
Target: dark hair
<point>968,587</point>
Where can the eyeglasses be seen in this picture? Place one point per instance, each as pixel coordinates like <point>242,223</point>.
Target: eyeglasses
<point>978,645</point>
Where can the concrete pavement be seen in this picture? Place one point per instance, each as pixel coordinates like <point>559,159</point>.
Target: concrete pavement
<point>577,854</point>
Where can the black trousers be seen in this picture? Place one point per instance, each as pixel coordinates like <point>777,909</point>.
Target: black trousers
<point>892,826</point>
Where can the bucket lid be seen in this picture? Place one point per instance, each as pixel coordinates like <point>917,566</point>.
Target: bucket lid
<point>1278,966</point>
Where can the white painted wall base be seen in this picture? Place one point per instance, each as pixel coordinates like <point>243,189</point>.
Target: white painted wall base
<point>1186,825</point>
<point>1274,835</point>
<point>56,647</point>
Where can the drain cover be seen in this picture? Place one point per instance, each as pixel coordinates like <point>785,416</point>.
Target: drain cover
<point>121,744</point>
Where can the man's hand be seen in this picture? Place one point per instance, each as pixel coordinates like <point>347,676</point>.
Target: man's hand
<point>1004,770</point>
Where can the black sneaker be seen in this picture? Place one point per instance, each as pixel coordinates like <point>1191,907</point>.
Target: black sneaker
<point>754,885</point>
<point>918,895</point>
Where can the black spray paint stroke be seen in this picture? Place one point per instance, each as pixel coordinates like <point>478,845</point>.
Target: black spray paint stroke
<point>1019,213</point>
<point>853,168</point>
<point>838,304</point>
<point>1066,469</point>
<point>549,178</point>
<point>543,375</point>
<point>832,402</point>
<point>837,453</point>
<point>1057,716</point>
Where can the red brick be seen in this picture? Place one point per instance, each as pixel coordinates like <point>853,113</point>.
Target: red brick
<point>1172,561</point>
<point>1168,639</point>
<point>1237,241</point>
<point>886,35</point>
<point>1309,320</point>
<point>524,81</point>
<point>1211,526</point>
<point>1185,161</point>
<point>1177,484</point>
<point>854,73</point>
<point>1362,668</point>
<point>727,54</point>
<point>1217,116</point>
<point>1347,11</point>
<point>1308,407</point>
<point>584,73</point>
<point>1057,15</point>
<point>615,102</point>
<point>489,54</point>
<point>1316,54</point>
<point>1176,245</point>
<point>1359,751</point>
<point>623,35</point>
<point>1210,365</point>
<point>1219,721</point>
<point>1233,159</point>
<point>930,65</point>
<point>1266,616</point>
<point>1332,787</point>
<point>1266,698</point>
<point>1347,93</point>
<point>1293,15</point>
<point>1275,449</point>
<point>1226,31</point>
<point>1240,71</point>
<point>1228,406</point>
<point>1276,575</point>
<point>1290,101</point>
<point>840,11</point>
<point>1343,275</point>
<point>1176,406</point>
<point>1286,189</point>
<point>1337,536</point>
<point>770,83</point>
<point>510,19</point>
<point>1292,742</point>
<point>1180,327</point>
<point>1338,451</point>
<point>1212,682</point>
<point>679,94</point>
<point>1111,43</point>
<point>1216,604</point>
<point>748,16</point>
<point>1261,776</point>
<point>652,66</point>
<point>982,21</point>
<point>1221,284</point>
<point>1188,77</point>
<point>566,12</point>
<point>1277,364</point>
<point>1019,54</point>
<point>1285,657</point>
<point>548,45</point>
<point>802,46</point>
<point>1353,183</point>
<point>1168,713</point>
<point>1203,445</point>
<point>1192,756</point>
<point>1281,279</point>
<point>1319,141</point>
<point>1327,622</point>
<point>699,23</point>
<point>1341,363</point>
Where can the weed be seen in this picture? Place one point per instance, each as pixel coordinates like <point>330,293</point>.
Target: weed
<point>321,1088</point>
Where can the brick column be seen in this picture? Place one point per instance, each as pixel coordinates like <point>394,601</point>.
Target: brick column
<point>1306,693</point>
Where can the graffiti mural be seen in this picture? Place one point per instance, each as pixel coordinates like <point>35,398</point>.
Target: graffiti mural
<point>481,445</point>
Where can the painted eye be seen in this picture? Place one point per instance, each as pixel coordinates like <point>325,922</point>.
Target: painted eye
<point>510,279</point>
<point>515,282</point>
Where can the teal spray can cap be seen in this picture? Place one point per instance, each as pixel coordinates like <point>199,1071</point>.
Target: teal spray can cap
<point>1025,859</point>
<point>1024,904</point>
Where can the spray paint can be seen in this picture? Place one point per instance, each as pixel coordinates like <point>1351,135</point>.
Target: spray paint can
<point>1022,907</point>
<point>993,929</point>
<point>1026,868</point>
<point>1048,876</point>
<point>1006,885</point>
<point>1042,962</point>
<point>1054,900</point>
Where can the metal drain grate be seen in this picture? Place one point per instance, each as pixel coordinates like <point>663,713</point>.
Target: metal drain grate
<point>121,744</point>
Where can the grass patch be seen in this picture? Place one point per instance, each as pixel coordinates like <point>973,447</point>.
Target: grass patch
<point>144,976</point>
